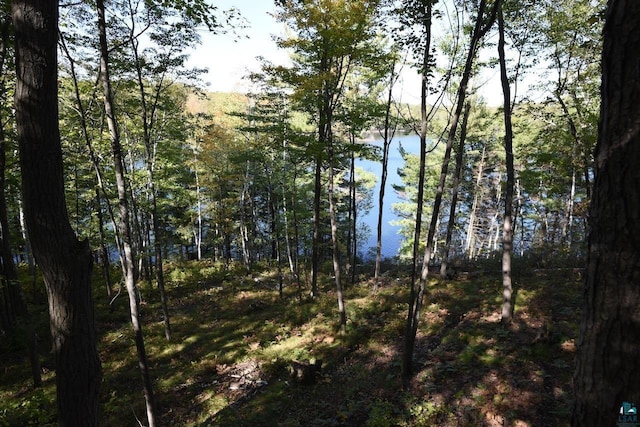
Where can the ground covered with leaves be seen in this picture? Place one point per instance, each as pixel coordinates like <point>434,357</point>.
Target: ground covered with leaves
<point>235,340</point>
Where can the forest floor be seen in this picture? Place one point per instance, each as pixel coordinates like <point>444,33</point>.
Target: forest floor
<point>235,338</point>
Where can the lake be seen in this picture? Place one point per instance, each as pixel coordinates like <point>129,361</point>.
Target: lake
<point>390,238</point>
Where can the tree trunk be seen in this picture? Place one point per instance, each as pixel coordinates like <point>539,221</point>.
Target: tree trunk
<point>454,193</point>
<point>415,295</point>
<point>608,368</point>
<point>28,252</point>
<point>296,232</point>
<point>285,216</point>
<point>507,228</point>
<point>128,268</point>
<point>315,244</point>
<point>197,233</point>
<point>16,299</point>
<point>334,241</point>
<point>386,142</point>
<point>470,244</point>
<point>275,235</point>
<point>106,264</point>
<point>353,215</point>
<point>66,263</point>
<point>324,128</point>
<point>148,113</point>
<point>413,317</point>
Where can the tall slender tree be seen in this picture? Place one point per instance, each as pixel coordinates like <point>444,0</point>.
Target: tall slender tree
<point>424,12</point>
<point>508,220</point>
<point>123,203</point>
<point>454,192</point>
<point>66,263</point>
<point>388,131</point>
<point>482,25</point>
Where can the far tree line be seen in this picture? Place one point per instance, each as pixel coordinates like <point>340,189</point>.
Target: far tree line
<point>113,152</point>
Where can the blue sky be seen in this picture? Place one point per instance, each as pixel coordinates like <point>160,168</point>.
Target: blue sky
<point>228,58</point>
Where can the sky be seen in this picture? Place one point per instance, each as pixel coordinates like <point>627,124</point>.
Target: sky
<point>230,58</point>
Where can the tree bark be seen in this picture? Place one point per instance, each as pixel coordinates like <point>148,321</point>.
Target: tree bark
<point>66,263</point>
<point>128,268</point>
<point>454,193</point>
<point>16,302</point>
<point>106,264</point>
<point>608,367</point>
<point>352,239</point>
<point>507,227</point>
<point>334,239</point>
<point>415,296</point>
<point>315,244</point>
<point>387,136</point>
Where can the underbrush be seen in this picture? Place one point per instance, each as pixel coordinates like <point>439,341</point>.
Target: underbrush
<point>236,336</point>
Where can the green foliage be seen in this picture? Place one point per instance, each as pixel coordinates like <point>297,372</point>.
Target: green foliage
<point>34,409</point>
<point>427,413</point>
<point>406,209</point>
<point>383,414</point>
<point>244,165</point>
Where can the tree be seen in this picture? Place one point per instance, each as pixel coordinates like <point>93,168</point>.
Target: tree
<point>423,14</point>
<point>123,203</point>
<point>563,36</point>
<point>334,37</point>
<point>608,371</point>
<point>17,304</point>
<point>66,263</point>
<point>507,229</point>
<point>155,70</point>
<point>388,131</point>
<point>454,192</point>
<point>482,25</point>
